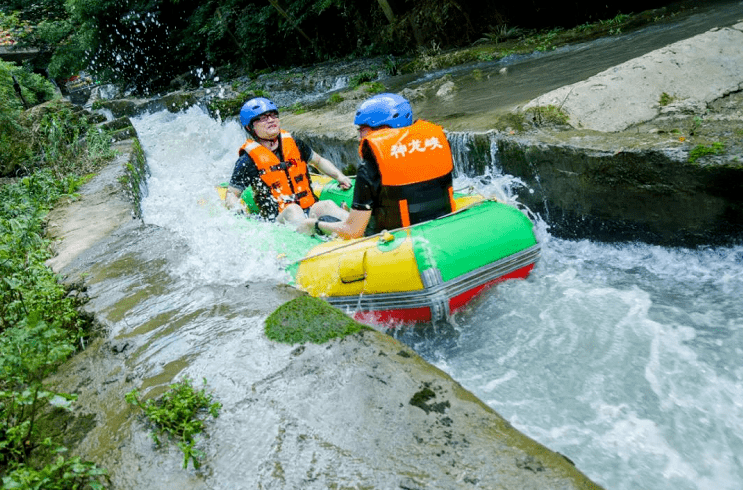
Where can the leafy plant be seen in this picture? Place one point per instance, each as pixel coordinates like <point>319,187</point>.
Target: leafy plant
<point>615,23</point>
<point>39,328</point>
<point>175,414</point>
<point>391,65</point>
<point>66,142</point>
<point>225,108</point>
<point>360,78</point>
<point>486,56</point>
<point>28,285</point>
<point>546,41</point>
<point>62,474</point>
<point>14,137</point>
<point>502,33</point>
<point>29,353</point>
<point>696,124</point>
<point>54,135</point>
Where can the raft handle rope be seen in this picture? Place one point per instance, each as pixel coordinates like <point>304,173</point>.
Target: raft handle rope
<point>470,189</point>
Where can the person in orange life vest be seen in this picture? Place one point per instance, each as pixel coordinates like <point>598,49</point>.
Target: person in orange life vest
<point>275,165</point>
<point>405,176</point>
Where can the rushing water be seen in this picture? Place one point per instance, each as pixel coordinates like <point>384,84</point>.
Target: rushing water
<point>623,357</point>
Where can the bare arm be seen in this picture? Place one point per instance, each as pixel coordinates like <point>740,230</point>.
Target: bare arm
<point>353,227</point>
<point>326,166</point>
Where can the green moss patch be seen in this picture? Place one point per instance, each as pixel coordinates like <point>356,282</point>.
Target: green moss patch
<point>547,116</point>
<point>225,108</point>
<point>422,398</point>
<point>308,319</point>
<point>701,151</point>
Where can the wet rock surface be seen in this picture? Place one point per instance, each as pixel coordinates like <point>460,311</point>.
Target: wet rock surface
<point>376,404</point>
<point>654,151</point>
<point>685,76</point>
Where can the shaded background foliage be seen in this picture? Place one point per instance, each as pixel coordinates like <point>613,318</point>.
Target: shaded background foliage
<point>147,43</point>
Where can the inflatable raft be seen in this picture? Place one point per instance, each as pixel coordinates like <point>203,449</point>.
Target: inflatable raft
<point>420,273</point>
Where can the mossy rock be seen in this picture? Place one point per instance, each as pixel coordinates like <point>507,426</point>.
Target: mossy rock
<point>178,101</point>
<point>225,108</point>
<point>119,108</point>
<point>117,124</point>
<point>308,319</point>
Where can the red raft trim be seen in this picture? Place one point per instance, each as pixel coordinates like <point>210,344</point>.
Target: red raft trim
<point>423,314</point>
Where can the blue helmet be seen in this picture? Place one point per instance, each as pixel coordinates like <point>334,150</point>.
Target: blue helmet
<point>254,108</point>
<point>385,110</point>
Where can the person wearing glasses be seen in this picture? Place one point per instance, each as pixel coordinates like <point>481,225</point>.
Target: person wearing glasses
<point>276,166</point>
<point>405,176</point>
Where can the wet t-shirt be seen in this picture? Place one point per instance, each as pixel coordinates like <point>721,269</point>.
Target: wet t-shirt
<point>367,188</point>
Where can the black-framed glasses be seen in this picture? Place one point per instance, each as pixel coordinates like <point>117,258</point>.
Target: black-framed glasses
<point>267,116</point>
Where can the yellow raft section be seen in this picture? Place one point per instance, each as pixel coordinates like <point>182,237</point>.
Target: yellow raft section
<point>360,266</point>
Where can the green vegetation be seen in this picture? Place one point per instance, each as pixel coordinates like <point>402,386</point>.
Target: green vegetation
<point>695,125</point>
<point>502,33</point>
<point>335,99</point>
<point>546,41</point>
<point>665,99</point>
<point>52,147</point>
<point>56,135</point>
<point>176,414</point>
<point>62,474</point>
<point>700,151</point>
<point>39,328</point>
<point>297,108</point>
<point>143,46</point>
<point>391,65</point>
<point>500,41</point>
<point>546,115</point>
<point>615,24</point>
<point>360,78</point>
<point>372,88</point>
<point>15,137</point>
<point>225,108</point>
<point>230,107</point>
<point>308,319</point>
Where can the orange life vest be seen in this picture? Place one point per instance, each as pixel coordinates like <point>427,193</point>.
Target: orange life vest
<point>289,179</point>
<point>416,166</point>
